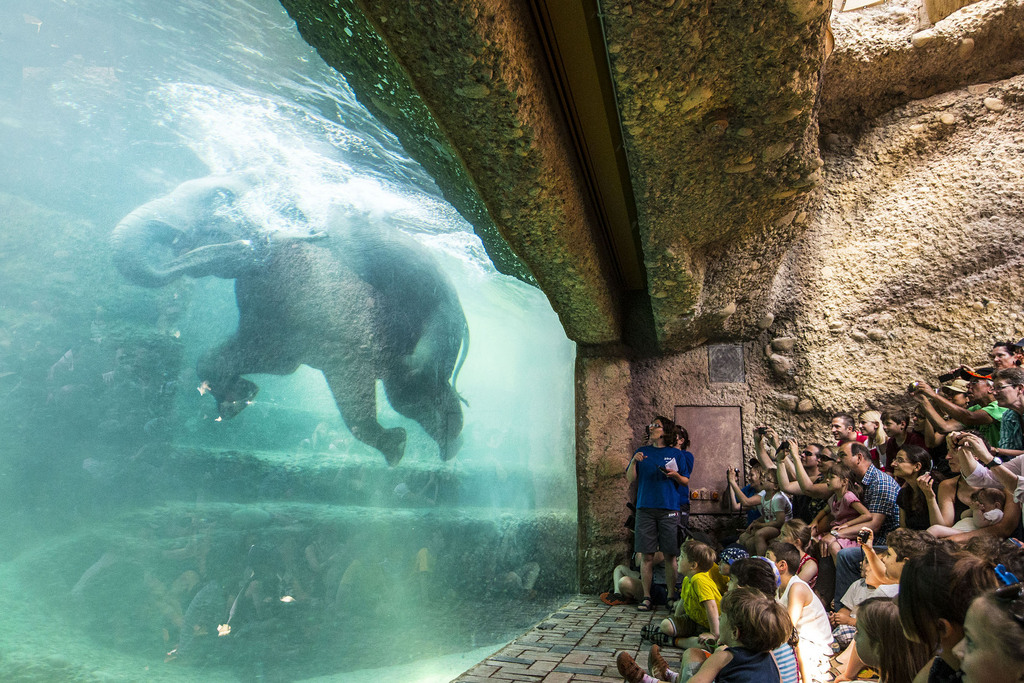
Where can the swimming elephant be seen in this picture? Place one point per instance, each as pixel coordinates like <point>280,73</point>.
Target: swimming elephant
<point>358,302</point>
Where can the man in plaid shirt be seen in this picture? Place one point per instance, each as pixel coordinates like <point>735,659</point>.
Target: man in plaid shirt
<point>880,491</point>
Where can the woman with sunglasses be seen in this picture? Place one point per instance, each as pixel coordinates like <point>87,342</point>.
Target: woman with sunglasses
<point>804,477</point>
<point>992,649</point>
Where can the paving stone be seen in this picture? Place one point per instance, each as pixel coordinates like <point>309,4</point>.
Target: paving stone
<point>593,671</point>
<point>577,644</point>
<point>513,660</point>
<point>557,677</point>
<point>520,673</point>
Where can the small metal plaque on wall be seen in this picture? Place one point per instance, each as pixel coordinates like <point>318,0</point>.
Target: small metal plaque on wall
<point>725,363</point>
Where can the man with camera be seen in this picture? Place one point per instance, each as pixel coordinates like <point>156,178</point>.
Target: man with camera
<point>984,413</point>
<point>1008,385</point>
<point>880,491</point>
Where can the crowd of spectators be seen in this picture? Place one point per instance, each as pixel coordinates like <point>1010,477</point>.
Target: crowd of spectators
<point>911,518</point>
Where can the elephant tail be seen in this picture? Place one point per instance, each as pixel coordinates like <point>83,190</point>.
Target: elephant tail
<point>462,359</point>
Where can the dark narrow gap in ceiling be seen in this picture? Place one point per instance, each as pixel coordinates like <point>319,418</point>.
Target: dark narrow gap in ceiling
<point>572,38</point>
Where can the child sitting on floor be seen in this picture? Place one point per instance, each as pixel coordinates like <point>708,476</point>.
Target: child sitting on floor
<point>696,612</point>
<point>752,626</point>
<point>844,621</point>
<point>882,644</point>
<point>902,544</point>
<point>806,611</point>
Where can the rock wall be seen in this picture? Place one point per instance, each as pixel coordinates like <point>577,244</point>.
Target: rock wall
<point>888,55</point>
<point>910,265</point>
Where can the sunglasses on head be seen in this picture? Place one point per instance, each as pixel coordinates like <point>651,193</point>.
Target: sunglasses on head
<point>1009,598</point>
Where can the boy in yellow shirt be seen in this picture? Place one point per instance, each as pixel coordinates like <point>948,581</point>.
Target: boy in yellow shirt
<point>695,616</point>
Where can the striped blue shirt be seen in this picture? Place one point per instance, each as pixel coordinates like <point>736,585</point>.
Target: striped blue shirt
<point>785,659</point>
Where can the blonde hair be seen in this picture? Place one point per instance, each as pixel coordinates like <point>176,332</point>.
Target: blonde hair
<point>701,554</point>
<point>797,530</point>
<point>880,437</point>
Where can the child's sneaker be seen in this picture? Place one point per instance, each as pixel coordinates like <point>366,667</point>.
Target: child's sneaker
<point>629,669</point>
<point>659,667</point>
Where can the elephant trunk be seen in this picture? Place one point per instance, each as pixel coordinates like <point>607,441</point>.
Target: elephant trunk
<point>138,244</point>
<point>152,252</point>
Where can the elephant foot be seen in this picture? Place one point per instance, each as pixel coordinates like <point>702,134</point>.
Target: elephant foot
<point>448,450</point>
<point>233,400</point>
<point>392,445</point>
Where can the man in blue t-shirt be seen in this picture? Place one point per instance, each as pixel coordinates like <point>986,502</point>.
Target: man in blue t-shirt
<point>660,471</point>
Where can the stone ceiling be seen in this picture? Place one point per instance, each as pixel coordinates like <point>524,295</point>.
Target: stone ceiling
<point>646,163</point>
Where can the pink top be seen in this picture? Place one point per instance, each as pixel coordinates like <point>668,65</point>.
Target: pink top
<point>842,510</point>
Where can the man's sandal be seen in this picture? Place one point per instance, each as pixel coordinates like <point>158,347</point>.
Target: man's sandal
<point>646,605</point>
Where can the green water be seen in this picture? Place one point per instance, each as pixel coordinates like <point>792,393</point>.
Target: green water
<point>135,523</point>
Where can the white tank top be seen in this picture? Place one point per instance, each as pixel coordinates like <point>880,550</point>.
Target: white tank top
<point>813,626</point>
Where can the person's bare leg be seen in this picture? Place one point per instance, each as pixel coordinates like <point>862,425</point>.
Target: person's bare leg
<point>647,573</point>
<point>763,537</point>
<point>630,588</point>
<point>622,571</point>
<point>670,576</point>
<point>692,660</point>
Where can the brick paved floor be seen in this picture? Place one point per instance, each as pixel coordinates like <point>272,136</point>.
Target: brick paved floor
<point>576,643</point>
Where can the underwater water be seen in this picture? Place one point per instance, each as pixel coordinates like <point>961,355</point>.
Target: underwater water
<point>209,251</point>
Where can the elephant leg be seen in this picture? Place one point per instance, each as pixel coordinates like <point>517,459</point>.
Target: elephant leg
<point>355,392</point>
<point>434,356</point>
<point>435,406</point>
<point>220,370</point>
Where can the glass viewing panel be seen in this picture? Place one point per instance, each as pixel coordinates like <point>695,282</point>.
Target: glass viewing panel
<point>267,411</point>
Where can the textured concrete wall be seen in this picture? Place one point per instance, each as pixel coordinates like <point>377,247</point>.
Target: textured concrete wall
<point>887,55</point>
<point>718,104</point>
<point>615,401</point>
<point>910,265</point>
